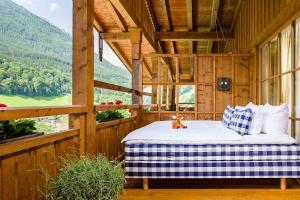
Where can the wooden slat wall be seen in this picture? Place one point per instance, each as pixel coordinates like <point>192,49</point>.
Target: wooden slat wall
<point>22,170</point>
<point>110,135</point>
<point>211,103</point>
<point>259,19</point>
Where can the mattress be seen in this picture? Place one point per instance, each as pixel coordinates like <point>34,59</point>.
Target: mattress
<point>199,132</point>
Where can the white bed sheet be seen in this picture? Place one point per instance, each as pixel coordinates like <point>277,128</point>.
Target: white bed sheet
<point>199,132</point>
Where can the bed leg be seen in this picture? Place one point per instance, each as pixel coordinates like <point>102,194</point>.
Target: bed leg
<point>283,183</point>
<point>145,184</point>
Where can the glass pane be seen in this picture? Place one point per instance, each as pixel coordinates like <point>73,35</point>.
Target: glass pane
<point>265,62</point>
<point>150,102</point>
<point>286,96</point>
<point>274,66</point>
<point>297,94</point>
<point>264,92</point>
<point>286,49</point>
<point>297,43</point>
<point>186,98</point>
<point>297,129</point>
<point>167,97</point>
<point>274,95</point>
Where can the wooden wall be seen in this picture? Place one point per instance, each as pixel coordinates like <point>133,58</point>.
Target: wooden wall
<point>210,102</point>
<point>110,134</point>
<point>259,19</point>
<point>24,163</point>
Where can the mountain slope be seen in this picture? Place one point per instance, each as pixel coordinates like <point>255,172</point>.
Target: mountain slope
<point>29,43</point>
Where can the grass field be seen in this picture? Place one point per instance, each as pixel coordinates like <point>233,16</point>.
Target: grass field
<point>20,101</point>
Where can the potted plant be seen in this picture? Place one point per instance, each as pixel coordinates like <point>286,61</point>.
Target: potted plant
<point>87,178</point>
<point>11,130</point>
<point>17,129</point>
<point>108,115</point>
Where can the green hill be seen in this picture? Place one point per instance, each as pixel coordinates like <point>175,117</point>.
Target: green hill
<point>36,56</point>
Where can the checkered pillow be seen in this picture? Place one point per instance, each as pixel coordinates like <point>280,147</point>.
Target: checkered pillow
<point>227,115</point>
<point>240,121</point>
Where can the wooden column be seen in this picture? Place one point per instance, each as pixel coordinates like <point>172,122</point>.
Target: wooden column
<point>154,61</point>
<point>135,38</point>
<point>83,72</point>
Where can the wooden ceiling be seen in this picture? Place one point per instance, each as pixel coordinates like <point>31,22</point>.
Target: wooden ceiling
<point>169,26</point>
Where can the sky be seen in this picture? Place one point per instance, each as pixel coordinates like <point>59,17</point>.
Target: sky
<point>59,13</point>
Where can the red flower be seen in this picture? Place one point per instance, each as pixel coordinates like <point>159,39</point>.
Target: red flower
<point>102,103</point>
<point>2,105</point>
<point>118,102</point>
<point>110,103</point>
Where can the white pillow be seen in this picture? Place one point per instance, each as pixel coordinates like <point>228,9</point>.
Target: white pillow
<point>257,118</point>
<point>276,119</point>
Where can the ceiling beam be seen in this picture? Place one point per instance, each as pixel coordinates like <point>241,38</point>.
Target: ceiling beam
<point>236,12</point>
<point>114,37</point>
<point>189,14</point>
<point>213,21</point>
<point>127,12</point>
<point>161,46</point>
<point>98,24</point>
<point>189,11</point>
<point>193,36</point>
<point>116,16</point>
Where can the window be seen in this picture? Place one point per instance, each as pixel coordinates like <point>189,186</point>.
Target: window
<point>168,98</point>
<point>297,56</point>
<point>274,83</point>
<point>286,50</point>
<point>150,101</point>
<point>186,98</point>
<point>264,72</point>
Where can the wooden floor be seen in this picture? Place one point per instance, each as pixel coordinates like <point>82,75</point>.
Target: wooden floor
<point>252,189</point>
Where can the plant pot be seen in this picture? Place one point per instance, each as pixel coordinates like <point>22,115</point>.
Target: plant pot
<point>20,138</point>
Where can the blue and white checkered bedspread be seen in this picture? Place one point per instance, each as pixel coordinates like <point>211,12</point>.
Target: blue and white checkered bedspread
<point>212,161</point>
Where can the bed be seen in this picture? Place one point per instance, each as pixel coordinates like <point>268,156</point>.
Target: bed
<point>207,149</point>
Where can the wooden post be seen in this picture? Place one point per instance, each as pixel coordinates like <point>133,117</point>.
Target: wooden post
<point>283,183</point>
<point>83,73</point>
<point>135,37</point>
<point>145,184</point>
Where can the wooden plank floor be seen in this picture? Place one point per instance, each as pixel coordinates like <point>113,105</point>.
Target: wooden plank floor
<point>252,189</point>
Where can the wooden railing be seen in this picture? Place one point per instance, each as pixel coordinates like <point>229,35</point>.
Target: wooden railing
<point>25,163</point>
<point>111,133</point>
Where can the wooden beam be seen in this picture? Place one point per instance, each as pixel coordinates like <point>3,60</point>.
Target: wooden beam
<point>152,14</point>
<point>165,12</point>
<point>194,36</point>
<point>35,142</point>
<point>109,86</point>
<point>83,69</point>
<point>115,107</point>
<point>116,16</point>
<point>98,24</point>
<point>236,12</point>
<point>114,37</point>
<point>213,21</point>
<point>136,40</point>
<point>189,14</point>
<point>10,113</point>
<point>127,12</point>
